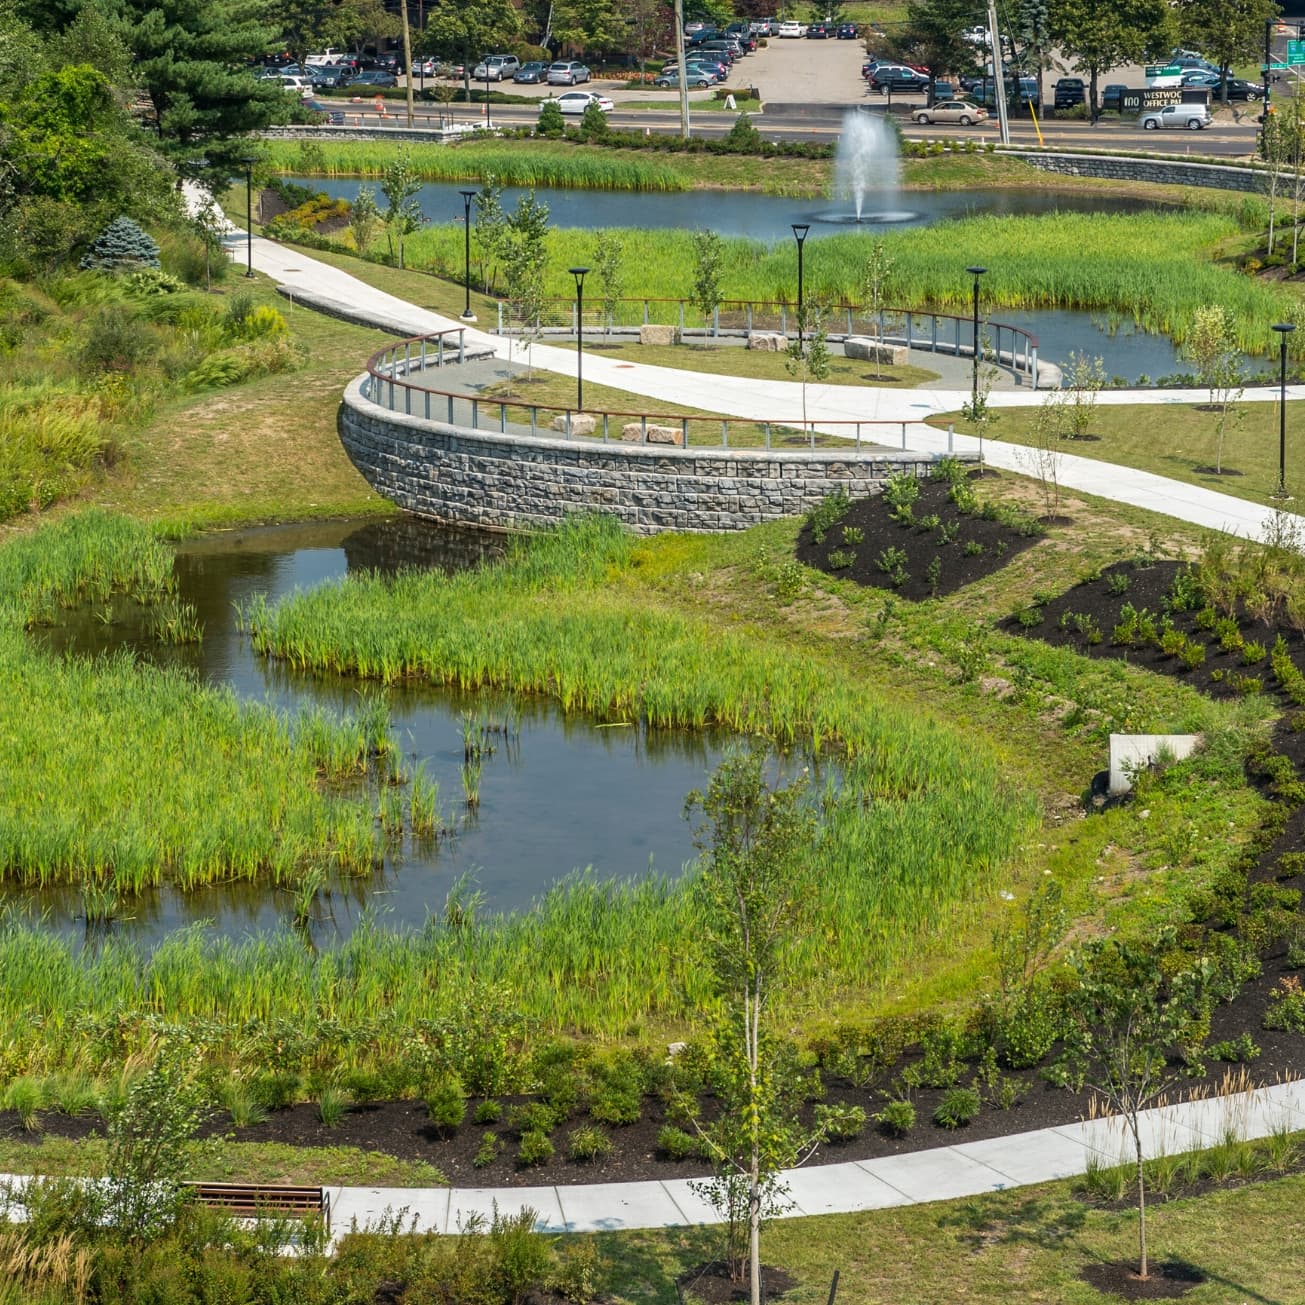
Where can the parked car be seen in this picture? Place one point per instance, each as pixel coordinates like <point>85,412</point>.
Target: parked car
<point>729,48</point>
<point>977,35</point>
<point>818,32</point>
<point>495,67</point>
<point>567,72</point>
<point>296,85</point>
<point>763,26</point>
<point>694,75</point>
<point>423,68</point>
<point>985,91</point>
<point>721,67</point>
<point>952,111</point>
<point>576,102</point>
<point>1238,88</point>
<point>531,73</point>
<point>1112,97</point>
<point>1070,91</point>
<point>790,28</point>
<point>847,32</point>
<point>1191,116</point>
<point>944,91</point>
<point>897,77</point>
<point>333,75</point>
<point>1188,59</point>
<point>375,77</point>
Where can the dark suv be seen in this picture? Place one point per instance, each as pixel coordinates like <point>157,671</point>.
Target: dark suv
<point>897,77</point>
<point>1070,92</point>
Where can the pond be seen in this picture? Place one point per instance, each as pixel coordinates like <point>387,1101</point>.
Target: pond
<point>563,795</point>
<point>743,213</point>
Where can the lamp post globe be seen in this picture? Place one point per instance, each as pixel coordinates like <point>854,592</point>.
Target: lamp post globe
<point>579,273</point>
<point>467,197</point>
<point>800,230</point>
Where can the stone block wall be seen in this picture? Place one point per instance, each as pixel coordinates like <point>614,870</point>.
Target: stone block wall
<point>1167,172</point>
<point>518,482</point>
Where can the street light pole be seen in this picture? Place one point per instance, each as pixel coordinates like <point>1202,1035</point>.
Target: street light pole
<point>467,197</point>
<point>800,230</point>
<point>1284,329</point>
<point>248,160</point>
<point>976,273</point>
<point>579,274</point>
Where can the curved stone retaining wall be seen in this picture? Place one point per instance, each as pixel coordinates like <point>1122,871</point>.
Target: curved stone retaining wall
<point>1167,172</point>
<point>517,482</point>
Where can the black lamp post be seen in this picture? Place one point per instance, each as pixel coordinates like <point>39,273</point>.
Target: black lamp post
<point>800,230</point>
<point>467,197</point>
<point>579,274</point>
<point>976,273</point>
<point>248,161</point>
<point>1284,329</point>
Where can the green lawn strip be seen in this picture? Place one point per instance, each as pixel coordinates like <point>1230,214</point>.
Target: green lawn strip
<point>1025,1245</point>
<point>1174,440</point>
<point>222,1161</point>
<point>731,360</point>
<point>556,391</point>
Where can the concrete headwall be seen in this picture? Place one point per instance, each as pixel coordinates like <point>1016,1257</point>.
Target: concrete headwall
<point>520,482</point>
<point>1167,172</point>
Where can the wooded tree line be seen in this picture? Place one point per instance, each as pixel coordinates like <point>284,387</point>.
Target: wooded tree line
<point>1089,37</point>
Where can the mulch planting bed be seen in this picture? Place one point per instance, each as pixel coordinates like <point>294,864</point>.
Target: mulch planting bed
<point>1164,1281</point>
<point>945,545</point>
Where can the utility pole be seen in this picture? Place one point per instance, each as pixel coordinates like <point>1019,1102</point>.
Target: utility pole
<point>679,64</point>
<point>998,76</point>
<point>407,55</point>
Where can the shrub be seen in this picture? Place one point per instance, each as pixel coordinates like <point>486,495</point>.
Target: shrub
<point>1286,1010</point>
<point>121,245</point>
<point>617,1094</point>
<point>331,1106</point>
<point>959,1106</point>
<point>676,1144</point>
<point>743,135</point>
<point>841,558</point>
<point>840,1123</point>
<point>587,1144</point>
<point>151,281</point>
<point>116,341</point>
<point>488,1112</point>
<point>897,1118</point>
<point>1238,1051</point>
<point>822,518</point>
<point>594,124</point>
<point>532,1117</point>
<point>551,122</point>
<point>535,1149</point>
<point>446,1103</point>
<point>489,1150</point>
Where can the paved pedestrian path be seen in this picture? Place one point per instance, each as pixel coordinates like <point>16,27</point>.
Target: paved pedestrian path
<point>775,401</point>
<point>940,1174</point>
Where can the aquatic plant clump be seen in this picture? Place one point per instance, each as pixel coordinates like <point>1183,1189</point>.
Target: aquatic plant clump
<point>124,774</point>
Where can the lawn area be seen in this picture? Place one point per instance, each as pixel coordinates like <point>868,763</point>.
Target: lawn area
<point>1175,440</point>
<point>262,451</point>
<point>1027,1245</point>
<point>732,360</point>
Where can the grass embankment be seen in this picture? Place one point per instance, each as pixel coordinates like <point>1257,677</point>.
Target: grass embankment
<point>1175,440</point>
<point>122,776</point>
<point>1026,1245</point>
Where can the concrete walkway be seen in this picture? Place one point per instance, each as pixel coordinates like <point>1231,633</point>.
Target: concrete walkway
<point>777,401</point>
<point>940,1174</point>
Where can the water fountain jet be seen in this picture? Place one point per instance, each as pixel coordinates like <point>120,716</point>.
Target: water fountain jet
<point>867,165</point>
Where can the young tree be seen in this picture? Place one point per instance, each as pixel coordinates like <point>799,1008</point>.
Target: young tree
<point>1214,348</point>
<point>609,251</point>
<point>1277,147</point>
<point>707,258</point>
<point>399,184</point>
<point>1228,31</point>
<point>525,265</point>
<point>1084,379</point>
<point>489,235</point>
<point>210,224</point>
<point>978,409</point>
<point>1098,35</point>
<point>874,280</point>
<point>755,891</point>
<point>1128,1013</point>
<point>364,219</point>
<point>933,36</point>
<point>807,357</point>
<point>1043,462</point>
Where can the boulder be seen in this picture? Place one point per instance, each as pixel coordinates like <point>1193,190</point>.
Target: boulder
<point>768,341</point>
<point>581,423</point>
<point>651,334</point>
<point>863,348</point>
<point>632,433</point>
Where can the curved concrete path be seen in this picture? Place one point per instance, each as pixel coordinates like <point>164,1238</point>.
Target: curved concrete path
<point>757,400</point>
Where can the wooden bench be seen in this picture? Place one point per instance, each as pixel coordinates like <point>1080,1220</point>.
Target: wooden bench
<point>264,1200</point>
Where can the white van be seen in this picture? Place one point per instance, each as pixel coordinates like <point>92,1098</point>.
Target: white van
<point>296,85</point>
<point>328,56</point>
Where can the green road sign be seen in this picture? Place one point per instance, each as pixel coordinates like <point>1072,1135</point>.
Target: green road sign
<point>1295,52</point>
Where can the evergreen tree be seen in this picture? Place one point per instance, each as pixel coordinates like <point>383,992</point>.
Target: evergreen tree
<point>122,244</point>
<point>192,59</point>
<point>932,36</point>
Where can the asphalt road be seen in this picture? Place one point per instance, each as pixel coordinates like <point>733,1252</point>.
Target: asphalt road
<point>807,86</point>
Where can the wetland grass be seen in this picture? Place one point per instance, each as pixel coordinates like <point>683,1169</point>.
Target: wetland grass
<point>201,787</point>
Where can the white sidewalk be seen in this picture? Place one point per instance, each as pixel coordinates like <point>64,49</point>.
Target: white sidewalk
<point>775,401</point>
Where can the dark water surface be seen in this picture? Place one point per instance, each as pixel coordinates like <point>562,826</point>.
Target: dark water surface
<point>745,213</point>
<point>563,795</point>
